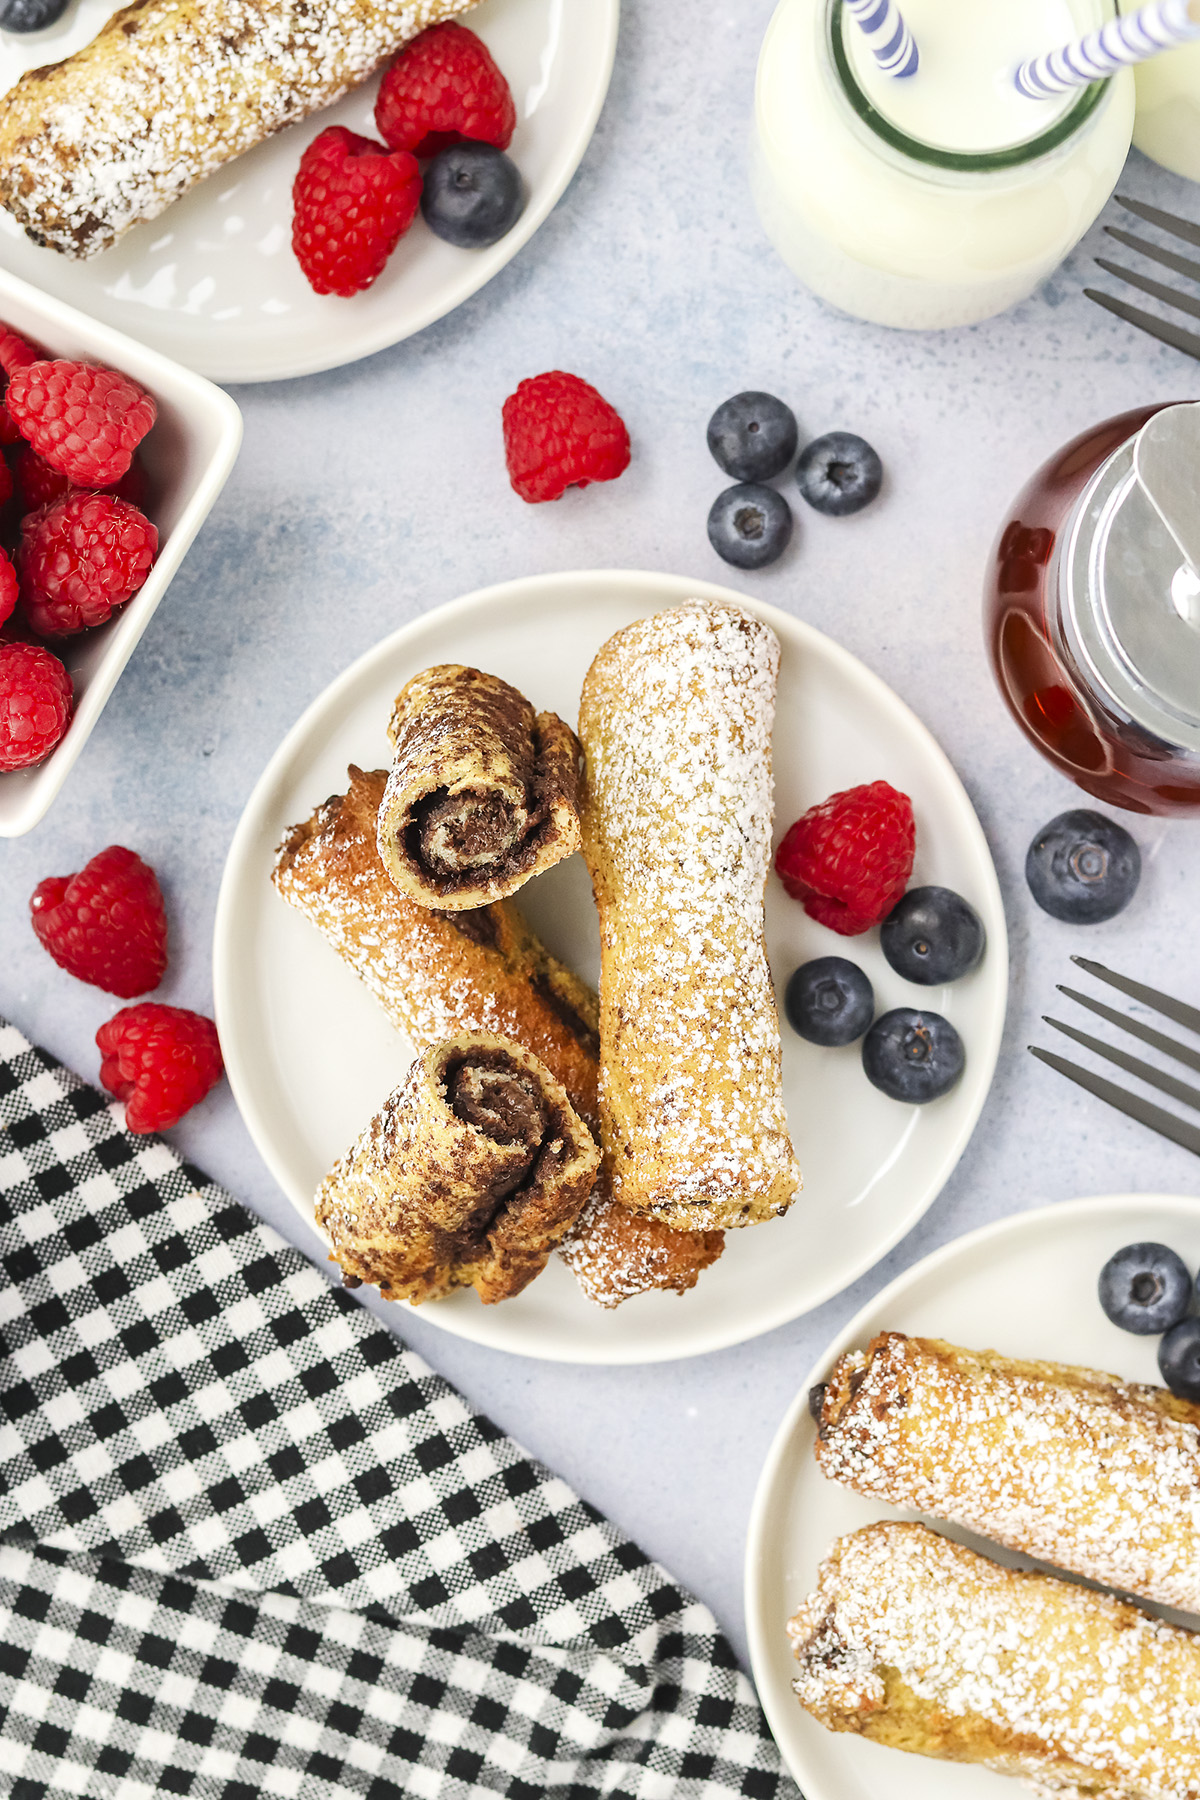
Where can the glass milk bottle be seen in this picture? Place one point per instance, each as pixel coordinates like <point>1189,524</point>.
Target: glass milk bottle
<point>1167,122</point>
<point>1092,610</point>
<point>945,197</point>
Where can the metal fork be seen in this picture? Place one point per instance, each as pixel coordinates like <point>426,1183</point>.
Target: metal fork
<point>1167,1124</point>
<point>1163,329</point>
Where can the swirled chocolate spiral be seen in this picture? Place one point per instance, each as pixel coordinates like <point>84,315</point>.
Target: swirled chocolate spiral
<point>482,790</point>
<point>469,1176</point>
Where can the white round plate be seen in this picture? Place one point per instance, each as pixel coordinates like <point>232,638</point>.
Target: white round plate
<point>310,1056</point>
<point>213,282</point>
<point>1025,1287</point>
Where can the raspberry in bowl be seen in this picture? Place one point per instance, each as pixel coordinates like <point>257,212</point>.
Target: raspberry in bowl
<point>87,412</point>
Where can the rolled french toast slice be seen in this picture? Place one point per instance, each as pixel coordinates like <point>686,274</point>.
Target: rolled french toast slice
<point>918,1643</point>
<point>482,792</point>
<point>675,721</point>
<point>468,1176</point>
<point>168,91</point>
<point>1074,1467</point>
<point>437,974</point>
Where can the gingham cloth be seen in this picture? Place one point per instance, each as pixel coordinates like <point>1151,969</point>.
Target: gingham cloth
<point>251,1545</point>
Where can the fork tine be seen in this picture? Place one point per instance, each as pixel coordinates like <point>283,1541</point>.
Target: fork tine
<point>1162,329</point>
<point>1132,1105</point>
<point>1132,1065</point>
<point>1158,290</point>
<point>1154,215</point>
<point>1182,265</point>
<point>1179,1010</point>
<point>1158,1040</point>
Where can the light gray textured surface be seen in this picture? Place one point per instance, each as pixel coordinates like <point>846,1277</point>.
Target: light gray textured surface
<point>365,496</point>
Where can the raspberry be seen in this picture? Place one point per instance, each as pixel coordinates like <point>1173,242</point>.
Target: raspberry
<point>80,558</point>
<point>15,353</point>
<point>6,482</point>
<point>8,588</point>
<point>161,1060</point>
<point>352,203</point>
<point>106,925</point>
<point>35,704</point>
<point>441,88</point>
<point>87,422</point>
<point>36,481</point>
<point>560,433</point>
<point>849,859</point>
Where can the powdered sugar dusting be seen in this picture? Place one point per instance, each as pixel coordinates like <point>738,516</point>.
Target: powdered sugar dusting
<point>676,721</point>
<point>172,89</point>
<point>1025,1673</point>
<point>1077,1468</point>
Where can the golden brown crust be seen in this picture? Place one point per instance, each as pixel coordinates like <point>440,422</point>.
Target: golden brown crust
<point>675,719</point>
<point>168,91</point>
<point>1070,1465</point>
<point>483,791</point>
<point>920,1644</point>
<point>468,1176</point>
<point>439,974</point>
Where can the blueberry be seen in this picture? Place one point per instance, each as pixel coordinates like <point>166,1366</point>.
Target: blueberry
<point>932,935</point>
<point>913,1056</point>
<point>1083,868</point>
<point>829,1001</point>
<point>753,436</point>
<point>749,526</point>
<point>1179,1359</point>
<point>1145,1288</point>
<point>839,473</point>
<point>472,195</point>
<point>30,15</point>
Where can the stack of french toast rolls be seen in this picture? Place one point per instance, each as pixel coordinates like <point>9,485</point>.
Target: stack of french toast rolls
<point>627,1131</point>
<point>915,1641</point>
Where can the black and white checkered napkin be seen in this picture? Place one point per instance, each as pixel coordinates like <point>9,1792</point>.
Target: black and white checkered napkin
<point>250,1545</point>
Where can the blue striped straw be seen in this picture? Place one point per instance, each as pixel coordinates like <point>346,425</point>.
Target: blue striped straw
<point>888,38</point>
<point>1159,26</point>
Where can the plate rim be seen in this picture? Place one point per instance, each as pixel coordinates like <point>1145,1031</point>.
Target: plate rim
<point>666,589</point>
<point>1012,1225</point>
<point>475,275</point>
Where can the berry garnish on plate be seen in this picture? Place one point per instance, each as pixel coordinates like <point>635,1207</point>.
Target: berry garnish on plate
<point>829,1001</point>
<point>352,202</point>
<point>559,432</point>
<point>913,1056</point>
<point>160,1060</point>
<point>8,588</point>
<point>1083,868</point>
<point>442,87</point>
<point>36,701</point>
<point>1145,1288</point>
<point>750,525</point>
<point>753,436</point>
<point>106,925</point>
<point>849,859</point>
<point>932,935</point>
<point>86,422</point>
<point>30,15</point>
<point>839,473</point>
<point>1179,1359</point>
<point>473,195</point>
<point>79,559</point>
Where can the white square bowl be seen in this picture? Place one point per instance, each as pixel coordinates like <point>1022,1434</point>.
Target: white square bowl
<point>188,456</point>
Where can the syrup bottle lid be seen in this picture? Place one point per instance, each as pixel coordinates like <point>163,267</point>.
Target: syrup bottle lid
<point>1130,578</point>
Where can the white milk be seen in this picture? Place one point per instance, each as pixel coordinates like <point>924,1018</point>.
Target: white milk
<point>1167,126</point>
<point>895,232</point>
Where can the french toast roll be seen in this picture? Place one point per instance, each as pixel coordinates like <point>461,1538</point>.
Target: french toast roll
<point>918,1643</point>
<point>675,721</point>
<point>1074,1467</point>
<point>482,792</point>
<point>437,974</point>
<point>468,1176</point>
<point>168,91</point>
